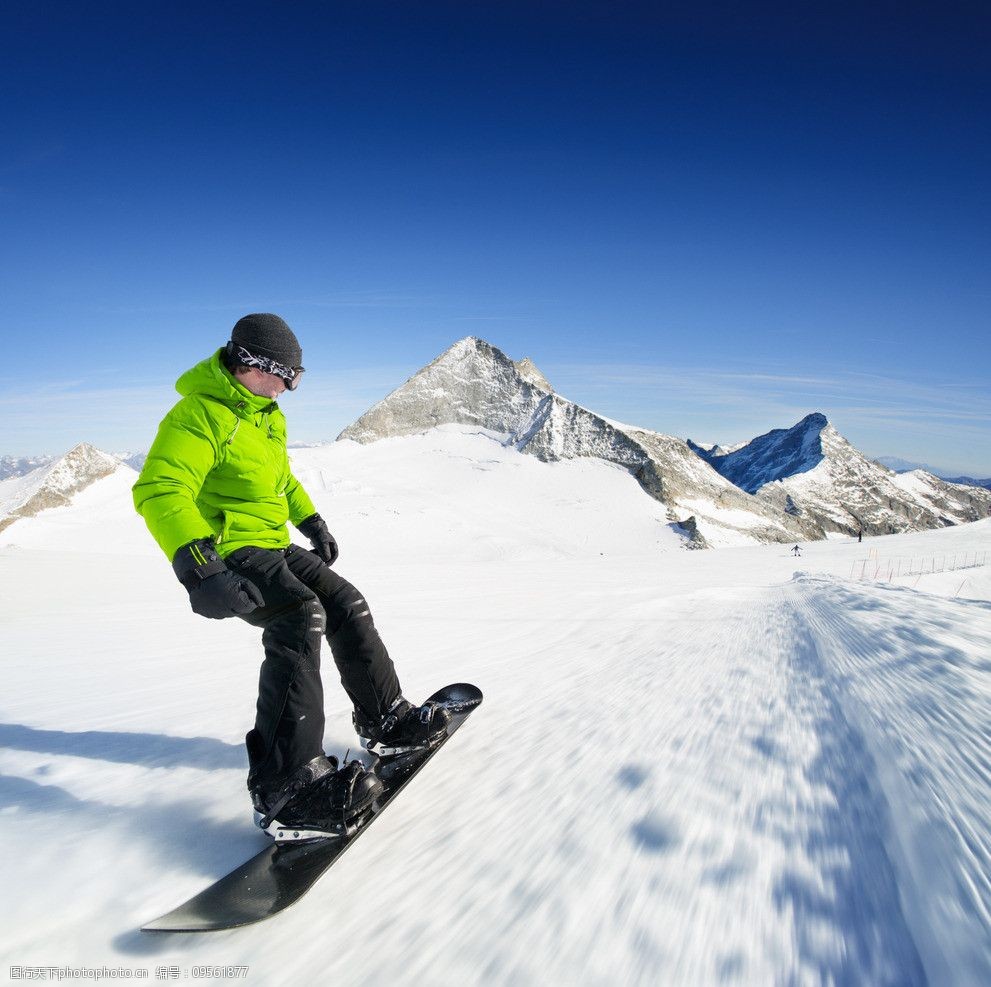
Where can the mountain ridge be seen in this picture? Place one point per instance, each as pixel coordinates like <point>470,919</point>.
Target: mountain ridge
<point>799,483</point>
<point>474,383</point>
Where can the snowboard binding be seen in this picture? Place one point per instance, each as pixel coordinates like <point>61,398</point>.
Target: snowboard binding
<point>319,801</point>
<point>405,728</point>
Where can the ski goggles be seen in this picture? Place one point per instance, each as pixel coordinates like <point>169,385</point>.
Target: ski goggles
<point>290,375</point>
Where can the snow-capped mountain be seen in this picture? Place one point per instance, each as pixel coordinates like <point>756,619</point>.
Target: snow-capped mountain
<point>473,383</point>
<point>53,484</point>
<point>792,484</point>
<point>780,453</point>
<point>811,471</point>
<point>15,466</point>
<point>708,507</point>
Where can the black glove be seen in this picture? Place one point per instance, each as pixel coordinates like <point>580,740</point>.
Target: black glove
<point>323,542</point>
<point>214,591</point>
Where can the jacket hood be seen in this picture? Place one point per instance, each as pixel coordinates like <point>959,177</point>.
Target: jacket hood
<point>212,379</point>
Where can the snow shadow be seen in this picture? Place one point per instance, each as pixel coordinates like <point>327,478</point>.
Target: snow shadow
<point>925,648</point>
<point>848,918</point>
<point>149,750</point>
<point>207,844</point>
<point>26,794</point>
<point>769,748</point>
<point>632,776</point>
<point>175,836</point>
<point>654,834</point>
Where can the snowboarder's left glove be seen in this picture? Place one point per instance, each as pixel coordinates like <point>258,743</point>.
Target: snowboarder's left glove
<point>323,542</point>
<point>214,591</point>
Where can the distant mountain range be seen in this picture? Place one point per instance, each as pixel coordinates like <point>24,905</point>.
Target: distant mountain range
<point>797,484</point>
<point>11,466</point>
<point>801,483</point>
<point>14,466</point>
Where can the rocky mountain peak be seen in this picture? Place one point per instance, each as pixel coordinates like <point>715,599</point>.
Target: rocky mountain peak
<point>470,383</point>
<point>527,369</point>
<point>84,461</point>
<point>816,421</point>
<point>779,453</point>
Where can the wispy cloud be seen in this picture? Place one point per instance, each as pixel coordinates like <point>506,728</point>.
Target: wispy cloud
<point>856,391</point>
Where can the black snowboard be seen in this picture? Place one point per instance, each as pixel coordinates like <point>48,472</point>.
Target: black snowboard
<point>282,873</point>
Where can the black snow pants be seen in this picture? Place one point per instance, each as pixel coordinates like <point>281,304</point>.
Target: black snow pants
<point>305,600</point>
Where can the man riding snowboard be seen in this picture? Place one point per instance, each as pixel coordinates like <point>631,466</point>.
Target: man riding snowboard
<point>216,492</point>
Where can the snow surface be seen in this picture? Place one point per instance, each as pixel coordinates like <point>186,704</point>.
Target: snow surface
<point>690,767</point>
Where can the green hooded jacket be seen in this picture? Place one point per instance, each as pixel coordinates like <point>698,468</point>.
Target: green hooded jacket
<point>218,468</point>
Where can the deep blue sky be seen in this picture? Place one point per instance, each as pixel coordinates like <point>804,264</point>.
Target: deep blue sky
<point>707,219</point>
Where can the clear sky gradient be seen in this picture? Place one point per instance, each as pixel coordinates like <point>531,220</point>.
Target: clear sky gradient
<point>705,219</point>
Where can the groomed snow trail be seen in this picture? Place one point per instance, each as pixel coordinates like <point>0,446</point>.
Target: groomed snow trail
<point>758,782</point>
<point>912,671</point>
<point>726,763</point>
<point>692,802</point>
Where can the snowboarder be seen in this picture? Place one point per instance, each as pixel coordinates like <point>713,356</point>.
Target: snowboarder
<point>216,492</point>
<point>796,551</point>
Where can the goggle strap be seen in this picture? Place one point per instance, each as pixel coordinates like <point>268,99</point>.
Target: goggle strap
<point>288,374</point>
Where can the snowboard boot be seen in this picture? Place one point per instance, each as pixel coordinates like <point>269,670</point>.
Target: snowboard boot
<point>317,800</point>
<point>403,729</point>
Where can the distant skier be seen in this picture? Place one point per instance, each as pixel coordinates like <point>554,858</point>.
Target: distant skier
<point>796,551</point>
<point>216,492</point>
<point>860,536</point>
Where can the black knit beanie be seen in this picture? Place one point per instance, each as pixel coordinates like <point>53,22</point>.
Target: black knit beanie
<point>264,334</point>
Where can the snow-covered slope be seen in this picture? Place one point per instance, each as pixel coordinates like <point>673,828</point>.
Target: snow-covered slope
<point>691,768</point>
<point>519,506</point>
<point>55,484</point>
<point>812,472</point>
